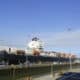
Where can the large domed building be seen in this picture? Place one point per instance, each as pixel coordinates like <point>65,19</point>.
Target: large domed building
<point>35,46</point>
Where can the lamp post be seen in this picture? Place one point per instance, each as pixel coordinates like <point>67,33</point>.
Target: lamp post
<point>70,61</point>
<point>52,69</point>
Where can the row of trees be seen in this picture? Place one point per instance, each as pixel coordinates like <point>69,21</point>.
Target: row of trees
<point>12,58</point>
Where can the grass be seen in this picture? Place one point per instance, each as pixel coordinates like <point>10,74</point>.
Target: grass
<point>14,74</point>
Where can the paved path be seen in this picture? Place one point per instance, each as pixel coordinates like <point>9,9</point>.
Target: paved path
<point>46,77</point>
<point>49,77</point>
<point>75,70</point>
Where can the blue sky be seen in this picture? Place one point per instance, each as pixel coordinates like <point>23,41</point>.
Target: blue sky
<point>50,20</point>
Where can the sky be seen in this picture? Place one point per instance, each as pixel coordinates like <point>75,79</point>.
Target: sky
<point>55,22</point>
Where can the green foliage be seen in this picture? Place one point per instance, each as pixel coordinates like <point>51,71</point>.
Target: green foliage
<point>7,74</point>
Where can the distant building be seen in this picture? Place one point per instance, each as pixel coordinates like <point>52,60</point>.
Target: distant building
<point>8,49</point>
<point>35,45</point>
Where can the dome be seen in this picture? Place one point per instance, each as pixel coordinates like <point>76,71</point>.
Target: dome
<point>35,45</point>
<point>35,39</point>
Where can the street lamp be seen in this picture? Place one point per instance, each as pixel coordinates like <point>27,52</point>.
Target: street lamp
<point>52,69</point>
<point>70,61</point>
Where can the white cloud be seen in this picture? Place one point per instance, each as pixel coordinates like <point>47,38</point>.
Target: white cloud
<point>62,41</point>
<point>69,39</point>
